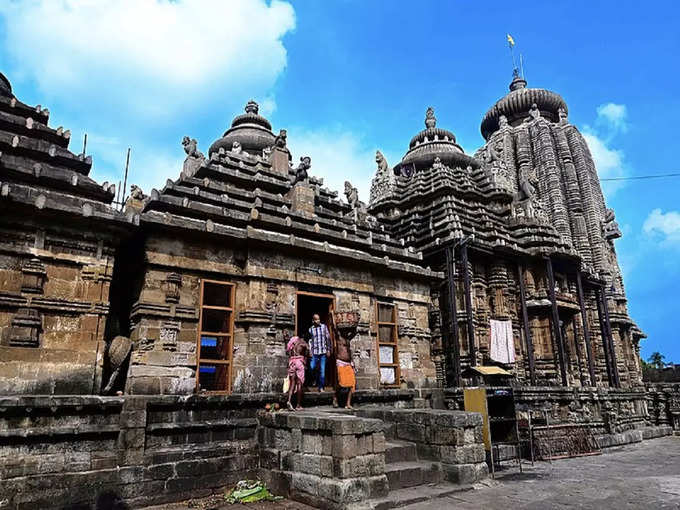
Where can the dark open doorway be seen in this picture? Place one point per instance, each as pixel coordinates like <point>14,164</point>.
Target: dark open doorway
<point>307,305</point>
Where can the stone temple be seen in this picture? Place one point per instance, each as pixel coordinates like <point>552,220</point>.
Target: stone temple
<point>138,342</point>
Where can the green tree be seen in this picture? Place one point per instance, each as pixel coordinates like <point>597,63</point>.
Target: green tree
<point>656,360</point>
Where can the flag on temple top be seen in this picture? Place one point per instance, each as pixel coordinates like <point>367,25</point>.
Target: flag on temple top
<point>511,41</point>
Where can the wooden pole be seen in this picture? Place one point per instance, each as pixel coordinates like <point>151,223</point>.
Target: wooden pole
<point>610,338</point>
<point>603,332</point>
<point>453,349</point>
<point>468,306</point>
<point>586,331</point>
<point>556,321</point>
<point>525,321</point>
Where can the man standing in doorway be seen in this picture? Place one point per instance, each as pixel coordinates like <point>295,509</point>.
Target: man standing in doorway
<point>320,346</point>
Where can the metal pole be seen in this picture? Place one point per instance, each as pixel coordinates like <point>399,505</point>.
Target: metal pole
<point>468,306</point>
<point>556,321</point>
<point>127,165</point>
<point>586,331</point>
<point>525,320</point>
<point>605,343</point>
<point>453,350</point>
<point>610,338</point>
<point>84,144</point>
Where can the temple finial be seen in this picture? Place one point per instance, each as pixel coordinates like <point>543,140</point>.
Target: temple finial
<point>430,119</point>
<point>252,107</point>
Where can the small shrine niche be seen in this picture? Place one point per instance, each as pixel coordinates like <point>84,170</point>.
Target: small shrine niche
<point>33,276</point>
<point>26,328</point>
<point>171,287</point>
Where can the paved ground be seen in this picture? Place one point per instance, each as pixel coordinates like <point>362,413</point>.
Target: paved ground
<point>641,476</point>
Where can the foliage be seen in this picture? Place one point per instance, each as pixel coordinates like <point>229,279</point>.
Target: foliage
<point>657,360</point>
<point>250,491</point>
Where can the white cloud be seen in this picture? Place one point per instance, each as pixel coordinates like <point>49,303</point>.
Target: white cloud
<point>153,56</point>
<point>144,73</point>
<point>337,156</point>
<point>665,226</point>
<point>610,162</point>
<point>613,116</point>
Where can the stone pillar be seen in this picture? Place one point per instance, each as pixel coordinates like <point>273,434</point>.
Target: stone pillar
<point>302,197</point>
<point>280,159</point>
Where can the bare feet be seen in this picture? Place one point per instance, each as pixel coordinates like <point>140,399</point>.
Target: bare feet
<point>298,408</point>
<point>335,402</point>
<point>290,406</point>
<point>348,407</point>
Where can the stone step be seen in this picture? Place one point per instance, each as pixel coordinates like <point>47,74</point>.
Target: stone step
<point>401,475</point>
<point>399,451</point>
<point>411,496</point>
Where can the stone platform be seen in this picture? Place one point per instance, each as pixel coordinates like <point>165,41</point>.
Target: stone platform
<point>336,460</point>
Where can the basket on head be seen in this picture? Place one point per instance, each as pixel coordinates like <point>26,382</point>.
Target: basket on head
<point>346,320</point>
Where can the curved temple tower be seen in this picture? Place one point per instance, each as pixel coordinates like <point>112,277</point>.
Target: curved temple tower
<point>523,234</point>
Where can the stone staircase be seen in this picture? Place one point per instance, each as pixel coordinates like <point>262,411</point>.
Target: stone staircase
<point>410,480</point>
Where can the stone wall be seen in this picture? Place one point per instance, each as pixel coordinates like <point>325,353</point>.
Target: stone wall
<point>54,303</point>
<point>165,311</point>
<point>76,451</point>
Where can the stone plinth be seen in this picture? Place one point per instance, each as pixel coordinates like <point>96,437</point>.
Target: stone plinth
<point>280,159</point>
<point>453,439</point>
<point>328,460</point>
<point>302,198</point>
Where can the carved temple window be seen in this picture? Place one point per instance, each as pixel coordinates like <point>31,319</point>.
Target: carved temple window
<point>388,350</point>
<point>215,337</point>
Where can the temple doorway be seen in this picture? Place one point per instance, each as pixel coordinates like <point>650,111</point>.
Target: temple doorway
<point>308,304</point>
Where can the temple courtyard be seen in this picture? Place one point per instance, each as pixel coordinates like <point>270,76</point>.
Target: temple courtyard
<point>642,475</point>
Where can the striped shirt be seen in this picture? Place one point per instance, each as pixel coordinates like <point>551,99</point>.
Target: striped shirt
<point>320,339</point>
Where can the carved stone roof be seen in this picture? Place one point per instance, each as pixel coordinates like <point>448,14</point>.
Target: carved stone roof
<point>433,143</point>
<point>38,171</point>
<point>250,129</point>
<point>516,104</point>
<point>239,196</point>
<point>5,86</point>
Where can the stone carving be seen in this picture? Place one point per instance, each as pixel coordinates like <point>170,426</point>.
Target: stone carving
<point>534,113</point>
<point>194,158</point>
<point>502,121</point>
<point>136,193</point>
<point>384,181</point>
<point>252,107</point>
<point>352,195</point>
<point>610,227</point>
<point>26,328</point>
<point>171,287</point>
<point>430,119</point>
<point>562,113</point>
<point>266,153</point>
<point>135,202</point>
<point>236,147</point>
<point>527,204</point>
<point>33,276</point>
<point>281,139</point>
<point>301,174</point>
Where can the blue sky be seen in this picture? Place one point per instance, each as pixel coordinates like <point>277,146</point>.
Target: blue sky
<point>349,77</point>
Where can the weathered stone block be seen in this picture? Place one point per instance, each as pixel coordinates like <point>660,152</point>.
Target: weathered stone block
<point>344,447</point>
<point>465,473</point>
<point>468,454</point>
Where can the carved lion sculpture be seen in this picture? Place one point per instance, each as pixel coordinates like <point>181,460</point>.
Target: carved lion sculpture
<point>301,170</point>
<point>191,148</point>
<point>383,167</point>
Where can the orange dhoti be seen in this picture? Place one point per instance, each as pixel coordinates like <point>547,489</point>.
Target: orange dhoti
<point>346,377</point>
